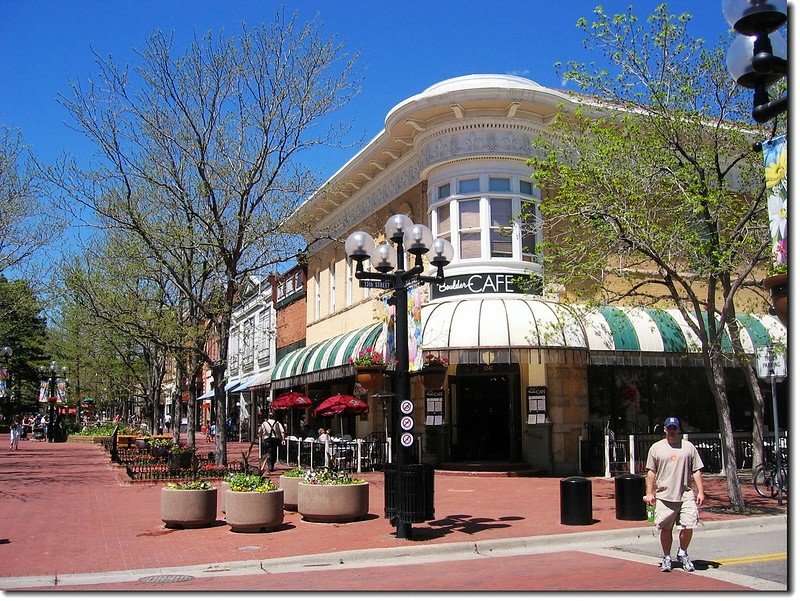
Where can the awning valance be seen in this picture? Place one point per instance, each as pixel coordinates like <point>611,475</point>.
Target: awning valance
<point>531,323</point>
<point>328,359</point>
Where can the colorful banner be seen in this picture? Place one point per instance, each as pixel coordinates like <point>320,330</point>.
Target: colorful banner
<point>777,196</point>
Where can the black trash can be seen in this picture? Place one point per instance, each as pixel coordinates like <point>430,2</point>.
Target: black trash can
<point>416,503</point>
<point>629,492</point>
<point>576,501</point>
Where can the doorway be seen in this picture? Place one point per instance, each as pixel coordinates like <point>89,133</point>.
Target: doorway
<point>481,417</point>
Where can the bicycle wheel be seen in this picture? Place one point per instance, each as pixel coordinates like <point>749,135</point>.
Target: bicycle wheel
<point>762,481</point>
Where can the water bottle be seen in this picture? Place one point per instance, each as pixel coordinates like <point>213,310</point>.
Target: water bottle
<point>651,514</point>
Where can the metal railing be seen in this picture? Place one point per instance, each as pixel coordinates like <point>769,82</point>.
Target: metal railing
<point>360,455</point>
<point>606,455</point>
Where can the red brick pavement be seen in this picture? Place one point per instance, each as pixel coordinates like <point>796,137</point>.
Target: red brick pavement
<point>67,509</point>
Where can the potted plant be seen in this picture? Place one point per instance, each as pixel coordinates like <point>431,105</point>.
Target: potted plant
<point>329,496</point>
<point>161,447</point>
<point>370,366</point>
<point>253,503</point>
<point>288,482</point>
<point>434,371</point>
<point>190,504</point>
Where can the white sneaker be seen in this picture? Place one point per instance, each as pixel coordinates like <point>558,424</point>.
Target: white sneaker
<point>686,563</point>
<point>666,564</point>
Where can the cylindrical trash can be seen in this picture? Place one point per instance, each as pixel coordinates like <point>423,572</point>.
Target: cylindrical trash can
<point>628,493</point>
<point>415,505</point>
<point>576,501</point>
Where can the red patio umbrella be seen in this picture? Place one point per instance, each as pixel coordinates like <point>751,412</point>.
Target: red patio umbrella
<point>339,404</point>
<point>291,400</point>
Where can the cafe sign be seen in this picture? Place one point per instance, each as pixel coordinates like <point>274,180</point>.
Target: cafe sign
<point>480,283</point>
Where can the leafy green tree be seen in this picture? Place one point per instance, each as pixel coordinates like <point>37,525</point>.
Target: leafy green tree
<point>651,191</point>
<point>201,159</point>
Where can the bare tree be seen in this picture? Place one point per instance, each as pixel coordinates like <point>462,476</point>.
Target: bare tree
<point>201,157</point>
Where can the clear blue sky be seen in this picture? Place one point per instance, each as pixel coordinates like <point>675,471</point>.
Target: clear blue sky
<point>406,46</point>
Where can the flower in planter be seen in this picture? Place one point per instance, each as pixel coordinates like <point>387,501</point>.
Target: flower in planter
<point>431,360</point>
<point>328,476</point>
<point>250,483</point>
<point>368,357</point>
<point>190,485</point>
<point>295,472</point>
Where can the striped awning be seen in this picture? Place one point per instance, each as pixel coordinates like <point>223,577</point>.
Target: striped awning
<point>495,323</point>
<point>326,360</point>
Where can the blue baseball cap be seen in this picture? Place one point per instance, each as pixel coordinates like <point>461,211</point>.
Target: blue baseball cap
<point>672,421</point>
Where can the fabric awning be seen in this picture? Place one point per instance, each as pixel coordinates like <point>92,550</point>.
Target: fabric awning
<point>328,359</point>
<point>207,395</point>
<point>253,382</point>
<point>604,332</point>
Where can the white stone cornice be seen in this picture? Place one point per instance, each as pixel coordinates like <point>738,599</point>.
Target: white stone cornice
<point>457,110</point>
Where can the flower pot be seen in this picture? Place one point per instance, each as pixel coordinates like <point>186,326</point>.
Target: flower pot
<point>370,376</point>
<point>778,286</point>
<point>434,377</point>
<point>254,511</point>
<point>332,502</point>
<point>142,444</point>
<point>188,508</point>
<point>289,486</point>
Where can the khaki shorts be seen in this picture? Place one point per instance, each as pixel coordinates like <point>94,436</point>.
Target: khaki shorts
<point>681,513</point>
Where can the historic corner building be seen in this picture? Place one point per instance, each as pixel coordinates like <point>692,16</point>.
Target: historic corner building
<point>528,375</point>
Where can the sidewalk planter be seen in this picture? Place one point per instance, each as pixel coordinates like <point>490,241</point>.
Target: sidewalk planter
<point>180,460</point>
<point>332,502</point>
<point>254,511</point>
<point>370,376</point>
<point>142,444</point>
<point>289,486</point>
<point>181,508</point>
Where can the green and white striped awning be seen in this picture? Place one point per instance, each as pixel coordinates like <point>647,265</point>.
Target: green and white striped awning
<point>606,332</point>
<point>326,360</point>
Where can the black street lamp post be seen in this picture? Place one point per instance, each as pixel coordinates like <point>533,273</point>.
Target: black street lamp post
<point>389,262</point>
<point>7,352</point>
<point>758,58</point>
<point>52,378</point>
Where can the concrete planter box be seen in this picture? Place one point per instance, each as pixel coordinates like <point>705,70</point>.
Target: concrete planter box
<point>188,508</point>
<point>332,502</point>
<point>289,486</point>
<point>254,511</point>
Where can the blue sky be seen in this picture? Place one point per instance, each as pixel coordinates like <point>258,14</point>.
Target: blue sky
<point>405,46</point>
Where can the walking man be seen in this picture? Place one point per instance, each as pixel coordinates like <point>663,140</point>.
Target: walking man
<point>672,464</point>
<point>272,434</point>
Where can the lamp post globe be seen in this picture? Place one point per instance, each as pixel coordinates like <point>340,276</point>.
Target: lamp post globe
<point>750,17</point>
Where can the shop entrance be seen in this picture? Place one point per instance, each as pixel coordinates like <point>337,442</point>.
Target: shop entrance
<point>481,410</point>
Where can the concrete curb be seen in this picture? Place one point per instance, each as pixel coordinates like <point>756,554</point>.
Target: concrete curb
<point>425,553</point>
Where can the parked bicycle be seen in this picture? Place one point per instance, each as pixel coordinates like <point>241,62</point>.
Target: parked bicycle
<point>767,481</point>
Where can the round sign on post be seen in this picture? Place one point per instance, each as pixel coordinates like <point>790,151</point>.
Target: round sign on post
<point>407,423</point>
<point>406,407</point>
<point>406,439</point>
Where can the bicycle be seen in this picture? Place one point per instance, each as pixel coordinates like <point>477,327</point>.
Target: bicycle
<point>767,481</point>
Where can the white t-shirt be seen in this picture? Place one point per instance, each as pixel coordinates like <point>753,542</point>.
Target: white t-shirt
<point>271,428</point>
<point>673,467</point>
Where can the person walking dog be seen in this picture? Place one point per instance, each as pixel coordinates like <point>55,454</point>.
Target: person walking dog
<point>672,464</point>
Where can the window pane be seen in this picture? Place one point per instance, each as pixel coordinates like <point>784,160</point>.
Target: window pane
<point>468,186</point>
<point>443,213</point>
<point>501,212</point>
<point>499,184</point>
<point>469,214</point>
<point>471,246</point>
<point>501,243</point>
<point>444,191</point>
<point>526,188</point>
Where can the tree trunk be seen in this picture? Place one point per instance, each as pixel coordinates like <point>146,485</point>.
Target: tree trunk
<point>716,376</point>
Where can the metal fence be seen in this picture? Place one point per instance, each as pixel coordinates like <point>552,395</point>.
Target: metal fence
<point>360,455</point>
<point>608,456</point>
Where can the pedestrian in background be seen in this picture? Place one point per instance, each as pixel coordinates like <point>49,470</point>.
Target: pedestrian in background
<point>272,434</point>
<point>14,435</point>
<point>672,464</point>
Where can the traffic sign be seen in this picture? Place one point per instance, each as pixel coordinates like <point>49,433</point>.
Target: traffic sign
<point>376,284</point>
<point>407,422</point>
<point>406,439</point>
<point>763,356</point>
<point>406,407</point>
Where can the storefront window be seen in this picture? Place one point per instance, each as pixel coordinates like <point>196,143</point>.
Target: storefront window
<point>469,218</point>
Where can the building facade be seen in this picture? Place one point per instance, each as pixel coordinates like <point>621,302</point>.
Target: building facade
<point>528,374</point>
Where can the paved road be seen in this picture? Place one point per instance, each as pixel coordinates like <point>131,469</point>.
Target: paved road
<point>74,520</point>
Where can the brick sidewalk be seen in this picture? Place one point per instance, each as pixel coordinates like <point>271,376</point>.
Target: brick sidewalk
<point>67,509</point>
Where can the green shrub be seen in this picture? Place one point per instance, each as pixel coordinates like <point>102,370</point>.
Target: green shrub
<point>190,485</point>
<point>250,483</point>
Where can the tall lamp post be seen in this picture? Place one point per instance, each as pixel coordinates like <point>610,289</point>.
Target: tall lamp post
<point>757,57</point>
<point>389,262</point>
<point>52,378</point>
<point>7,352</point>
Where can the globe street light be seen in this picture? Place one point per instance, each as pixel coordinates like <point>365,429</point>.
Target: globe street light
<point>52,378</point>
<point>758,58</point>
<point>388,259</point>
